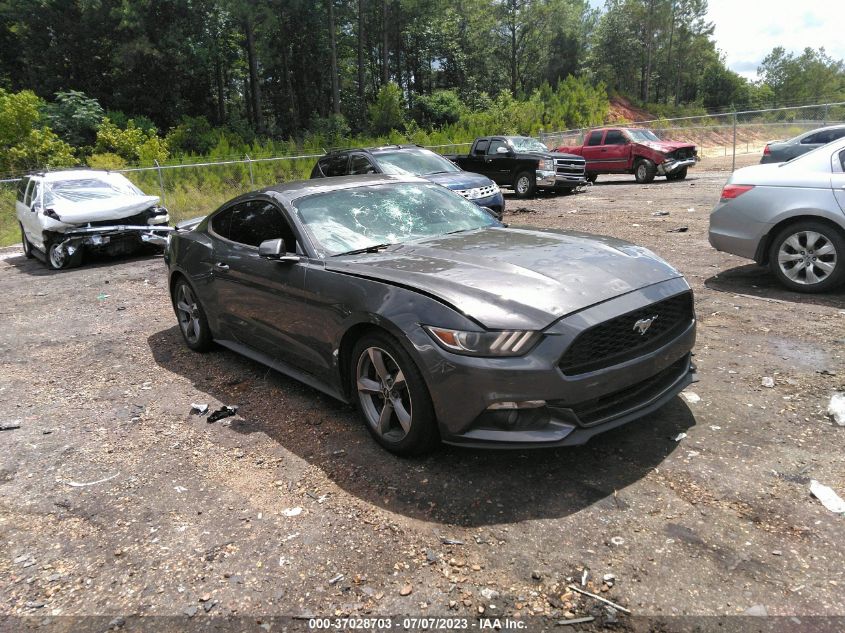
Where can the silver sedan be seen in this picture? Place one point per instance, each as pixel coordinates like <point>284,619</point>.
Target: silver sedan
<point>790,216</point>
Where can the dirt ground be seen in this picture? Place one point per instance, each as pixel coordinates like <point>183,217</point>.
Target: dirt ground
<point>290,509</point>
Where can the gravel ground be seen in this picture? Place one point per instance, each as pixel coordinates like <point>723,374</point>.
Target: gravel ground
<point>115,501</point>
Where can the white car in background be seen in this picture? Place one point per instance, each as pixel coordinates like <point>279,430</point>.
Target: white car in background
<point>62,213</point>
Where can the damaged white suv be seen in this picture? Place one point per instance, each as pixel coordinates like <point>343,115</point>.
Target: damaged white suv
<point>63,213</point>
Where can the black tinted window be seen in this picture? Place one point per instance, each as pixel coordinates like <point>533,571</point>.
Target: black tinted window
<point>495,145</point>
<point>258,221</point>
<point>360,164</point>
<point>614,137</point>
<point>842,159</point>
<point>334,165</point>
<point>594,138</point>
<point>819,138</point>
<point>835,135</point>
<point>481,146</point>
<point>221,222</point>
<point>22,188</point>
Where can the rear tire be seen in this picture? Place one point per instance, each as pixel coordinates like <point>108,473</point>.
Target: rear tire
<point>392,396</point>
<point>191,317</point>
<point>678,175</point>
<point>27,247</point>
<point>808,256</point>
<point>644,171</point>
<point>524,185</point>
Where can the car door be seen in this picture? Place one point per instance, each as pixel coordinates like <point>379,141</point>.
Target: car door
<point>28,194</point>
<point>615,150</point>
<point>498,166</point>
<point>261,301</point>
<point>476,161</point>
<point>592,150</point>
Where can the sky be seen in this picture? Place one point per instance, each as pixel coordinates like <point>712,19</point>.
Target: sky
<point>747,30</point>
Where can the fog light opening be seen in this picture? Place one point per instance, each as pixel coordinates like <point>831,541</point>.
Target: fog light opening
<point>524,404</point>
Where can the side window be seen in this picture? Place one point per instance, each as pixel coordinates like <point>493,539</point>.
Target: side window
<point>360,165</point>
<point>819,138</point>
<point>481,147</point>
<point>614,137</point>
<point>257,221</point>
<point>221,222</point>
<point>835,135</point>
<point>495,144</point>
<point>30,189</point>
<point>842,159</point>
<point>334,165</point>
<point>594,138</point>
<point>22,188</point>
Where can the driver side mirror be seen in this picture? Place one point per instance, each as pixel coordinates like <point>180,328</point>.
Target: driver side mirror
<point>275,250</point>
<point>502,150</point>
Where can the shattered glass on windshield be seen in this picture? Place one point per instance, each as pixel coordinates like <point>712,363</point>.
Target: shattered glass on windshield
<point>363,217</point>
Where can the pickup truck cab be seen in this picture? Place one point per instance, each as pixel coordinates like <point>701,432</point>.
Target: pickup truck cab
<point>634,151</point>
<point>413,160</point>
<point>522,163</point>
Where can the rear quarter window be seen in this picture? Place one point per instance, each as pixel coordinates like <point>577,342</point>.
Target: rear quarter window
<point>222,222</point>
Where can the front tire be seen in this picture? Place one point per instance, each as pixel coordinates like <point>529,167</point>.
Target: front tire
<point>58,257</point>
<point>524,185</point>
<point>644,171</point>
<point>591,177</point>
<point>191,317</point>
<point>27,247</point>
<point>392,396</point>
<point>678,175</point>
<point>808,256</point>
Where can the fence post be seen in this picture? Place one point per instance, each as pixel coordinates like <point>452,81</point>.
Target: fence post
<point>249,162</point>
<point>733,159</point>
<point>160,182</point>
<point>826,112</point>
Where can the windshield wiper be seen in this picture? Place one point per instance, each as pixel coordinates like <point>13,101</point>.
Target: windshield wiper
<point>375,248</point>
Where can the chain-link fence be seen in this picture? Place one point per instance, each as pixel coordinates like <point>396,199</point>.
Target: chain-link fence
<point>729,133</point>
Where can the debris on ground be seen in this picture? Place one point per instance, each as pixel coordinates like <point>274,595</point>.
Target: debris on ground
<point>102,296</point>
<point>828,497</point>
<point>406,590</point>
<point>451,541</point>
<point>690,396</point>
<point>758,610</point>
<point>335,579</point>
<point>660,213</point>
<point>609,579</point>
<point>292,512</point>
<point>599,598</point>
<point>836,408</point>
<point>222,413</point>
<point>10,426</point>
<point>768,382</point>
<point>680,229</point>
<point>76,484</point>
<point>617,540</point>
<point>523,210</point>
<point>679,437</point>
<point>199,409</point>
<point>584,620</point>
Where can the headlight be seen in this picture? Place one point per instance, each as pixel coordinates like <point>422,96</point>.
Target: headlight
<point>503,343</point>
<point>547,165</point>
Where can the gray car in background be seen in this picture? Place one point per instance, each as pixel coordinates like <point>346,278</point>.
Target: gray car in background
<point>435,319</point>
<point>782,151</point>
<point>790,216</point>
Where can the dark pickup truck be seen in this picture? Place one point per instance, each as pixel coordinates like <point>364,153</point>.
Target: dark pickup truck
<point>523,163</point>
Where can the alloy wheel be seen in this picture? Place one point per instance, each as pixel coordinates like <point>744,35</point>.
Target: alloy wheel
<point>188,313</point>
<point>58,256</point>
<point>384,394</point>
<point>807,257</point>
<point>522,185</point>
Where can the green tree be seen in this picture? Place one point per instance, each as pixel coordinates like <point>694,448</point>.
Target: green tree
<point>75,117</point>
<point>388,111</point>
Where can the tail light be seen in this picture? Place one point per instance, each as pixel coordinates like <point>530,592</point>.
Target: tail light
<point>766,151</point>
<point>735,191</point>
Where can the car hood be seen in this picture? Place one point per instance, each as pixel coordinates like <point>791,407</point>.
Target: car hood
<point>459,180</point>
<point>513,278</point>
<point>666,146</point>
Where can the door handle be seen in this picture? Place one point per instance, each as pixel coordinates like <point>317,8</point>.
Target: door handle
<point>222,267</point>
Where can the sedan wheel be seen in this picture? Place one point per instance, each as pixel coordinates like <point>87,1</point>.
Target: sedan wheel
<point>192,321</point>
<point>393,397</point>
<point>807,257</point>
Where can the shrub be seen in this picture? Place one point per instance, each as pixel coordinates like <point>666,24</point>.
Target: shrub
<point>388,111</point>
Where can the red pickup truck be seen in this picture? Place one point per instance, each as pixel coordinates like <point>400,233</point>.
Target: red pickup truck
<point>633,151</point>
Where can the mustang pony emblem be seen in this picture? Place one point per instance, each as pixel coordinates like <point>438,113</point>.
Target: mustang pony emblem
<point>642,325</point>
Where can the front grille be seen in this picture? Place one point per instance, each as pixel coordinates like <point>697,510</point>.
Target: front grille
<point>570,166</point>
<point>590,412</point>
<point>683,153</point>
<point>619,339</point>
<point>480,192</point>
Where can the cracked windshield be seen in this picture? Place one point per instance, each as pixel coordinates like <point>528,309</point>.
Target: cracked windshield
<point>367,217</point>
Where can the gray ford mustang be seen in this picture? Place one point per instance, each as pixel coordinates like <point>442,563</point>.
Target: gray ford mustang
<point>437,320</point>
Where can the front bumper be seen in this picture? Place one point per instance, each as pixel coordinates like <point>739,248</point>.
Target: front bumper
<point>573,407</point>
<point>496,203</point>
<point>673,166</point>
<point>551,179</point>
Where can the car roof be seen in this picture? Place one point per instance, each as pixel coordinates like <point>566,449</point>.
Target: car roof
<point>373,150</point>
<point>287,192</point>
<point>72,174</point>
<point>821,129</point>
